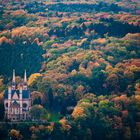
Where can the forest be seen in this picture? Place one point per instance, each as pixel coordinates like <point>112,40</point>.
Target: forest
<point>83,66</point>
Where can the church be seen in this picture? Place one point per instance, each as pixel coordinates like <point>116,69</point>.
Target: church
<point>17,100</point>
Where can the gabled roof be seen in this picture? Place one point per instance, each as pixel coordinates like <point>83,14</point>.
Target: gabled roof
<point>15,96</point>
<point>25,93</point>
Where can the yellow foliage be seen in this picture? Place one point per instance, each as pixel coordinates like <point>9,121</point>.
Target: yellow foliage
<point>134,68</point>
<point>65,124</point>
<point>137,89</point>
<point>19,12</point>
<point>130,36</point>
<point>74,72</point>
<point>109,68</point>
<point>1,95</point>
<point>101,40</point>
<point>137,97</point>
<point>33,77</point>
<point>16,134</point>
<point>27,31</point>
<point>84,71</point>
<point>80,89</point>
<point>78,112</point>
<point>1,82</point>
<point>110,58</point>
<point>6,40</point>
<point>50,128</point>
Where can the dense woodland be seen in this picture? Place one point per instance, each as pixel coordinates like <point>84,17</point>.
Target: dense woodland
<point>83,63</point>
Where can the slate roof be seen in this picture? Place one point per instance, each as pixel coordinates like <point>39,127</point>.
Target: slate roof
<point>25,93</point>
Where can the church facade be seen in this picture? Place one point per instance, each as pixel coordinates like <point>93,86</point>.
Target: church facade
<point>17,100</point>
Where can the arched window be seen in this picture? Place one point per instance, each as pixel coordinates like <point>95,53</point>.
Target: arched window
<point>6,104</point>
<point>24,105</point>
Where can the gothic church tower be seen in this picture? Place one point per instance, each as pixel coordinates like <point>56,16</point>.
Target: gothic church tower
<point>17,102</point>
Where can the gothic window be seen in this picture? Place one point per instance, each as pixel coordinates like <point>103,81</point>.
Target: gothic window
<point>17,111</point>
<point>14,111</point>
<point>6,104</point>
<point>24,105</point>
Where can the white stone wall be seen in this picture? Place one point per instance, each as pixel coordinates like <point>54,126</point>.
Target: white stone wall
<point>15,114</point>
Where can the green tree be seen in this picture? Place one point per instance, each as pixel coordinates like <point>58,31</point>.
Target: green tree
<point>37,111</point>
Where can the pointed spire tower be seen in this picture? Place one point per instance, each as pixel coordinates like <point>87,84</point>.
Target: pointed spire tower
<point>25,77</point>
<point>14,77</point>
<point>14,81</point>
<point>25,81</point>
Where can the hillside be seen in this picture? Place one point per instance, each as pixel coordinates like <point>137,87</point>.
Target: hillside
<point>83,66</point>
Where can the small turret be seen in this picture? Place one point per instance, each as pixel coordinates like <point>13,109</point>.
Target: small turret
<point>14,81</point>
<point>14,78</point>
<point>25,81</point>
<point>25,77</point>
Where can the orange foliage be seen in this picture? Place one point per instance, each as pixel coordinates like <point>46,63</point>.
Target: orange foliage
<point>19,12</point>
<point>1,96</point>
<point>101,40</point>
<point>5,40</point>
<point>122,99</point>
<point>50,128</point>
<point>27,31</point>
<point>78,112</point>
<point>15,134</point>
<point>33,77</point>
<point>137,89</point>
<point>65,124</point>
<point>128,18</point>
<point>130,36</point>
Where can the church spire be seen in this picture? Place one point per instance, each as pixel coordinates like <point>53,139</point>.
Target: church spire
<point>13,81</point>
<point>14,77</point>
<point>25,81</point>
<point>25,77</point>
